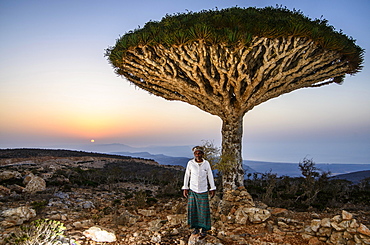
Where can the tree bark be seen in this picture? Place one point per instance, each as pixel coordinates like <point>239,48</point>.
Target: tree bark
<point>232,132</point>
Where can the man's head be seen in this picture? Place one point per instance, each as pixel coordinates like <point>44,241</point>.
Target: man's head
<point>198,153</point>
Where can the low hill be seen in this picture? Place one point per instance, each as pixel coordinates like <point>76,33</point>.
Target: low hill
<point>354,177</point>
<point>160,158</point>
<point>33,152</point>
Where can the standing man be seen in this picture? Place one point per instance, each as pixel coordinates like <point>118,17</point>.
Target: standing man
<point>198,175</point>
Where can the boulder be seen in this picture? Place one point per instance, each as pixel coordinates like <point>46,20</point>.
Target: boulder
<point>16,216</point>
<point>363,230</point>
<point>254,215</point>
<point>346,215</point>
<point>315,225</point>
<point>99,235</point>
<point>5,175</point>
<point>34,184</point>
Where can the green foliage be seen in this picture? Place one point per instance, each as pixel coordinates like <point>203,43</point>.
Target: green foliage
<point>226,164</point>
<point>222,163</point>
<point>211,153</point>
<point>38,232</point>
<point>140,199</point>
<point>116,202</point>
<point>237,26</point>
<point>151,201</point>
<point>39,205</point>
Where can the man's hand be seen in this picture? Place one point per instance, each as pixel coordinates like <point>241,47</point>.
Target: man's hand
<point>185,193</point>
<point>212,193</point>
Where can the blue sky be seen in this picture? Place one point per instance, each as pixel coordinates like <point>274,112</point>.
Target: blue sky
<point>57,88</point>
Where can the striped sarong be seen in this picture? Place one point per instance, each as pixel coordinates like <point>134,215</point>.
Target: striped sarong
<point>199,215</point>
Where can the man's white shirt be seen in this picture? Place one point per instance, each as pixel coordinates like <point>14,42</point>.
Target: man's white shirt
<point>197,174</point>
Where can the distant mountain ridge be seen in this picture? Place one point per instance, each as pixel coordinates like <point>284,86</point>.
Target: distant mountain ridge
<point>172,151</point>
<point>160,158</point>
<point>180,155</point>
<point>281,169</point>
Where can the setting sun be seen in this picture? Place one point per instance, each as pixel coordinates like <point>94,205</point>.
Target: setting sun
<point>92,141</point>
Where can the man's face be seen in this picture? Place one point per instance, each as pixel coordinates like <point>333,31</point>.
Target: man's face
<point>198,155</point>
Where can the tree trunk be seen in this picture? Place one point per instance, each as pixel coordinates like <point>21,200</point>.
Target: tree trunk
<point>232,132</point>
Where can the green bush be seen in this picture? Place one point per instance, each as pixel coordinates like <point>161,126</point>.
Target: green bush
<point>38,232</point>
<point>39,205</point>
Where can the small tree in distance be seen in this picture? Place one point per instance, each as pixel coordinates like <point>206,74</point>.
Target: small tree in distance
<point>308,169</point>
<point>314,182</point>
<point>227,61</point>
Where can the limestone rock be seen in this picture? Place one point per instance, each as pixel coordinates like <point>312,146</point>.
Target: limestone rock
<point>16,188</point>
<point>146,212</point>
<point>364,230</point>
<point>83,224</point>
<point>315,224</point>
<point>99,235</point>
<point>4,191</point>
<point>5,175</point>
<point>239,196</point>
<point>87,205</point>
<point>156,238</point>
<point>194,240</point>
<point>176,219</point>
<point>325,222</point>
<point>278,211</point>
<point>126,218</point>
<point>34,184</point>
<point>61,195</point>
<point>16,216</point>
<point>337,238</point>
<point>155,225</point>
<point>346,215</point>
<point>324,231</point>
<point>254,215</point>
<point>341,229</point>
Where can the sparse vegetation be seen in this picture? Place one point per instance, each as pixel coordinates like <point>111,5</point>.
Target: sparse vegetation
<point>39,205</point>
<point>313,191</point>
<point>38,232</point>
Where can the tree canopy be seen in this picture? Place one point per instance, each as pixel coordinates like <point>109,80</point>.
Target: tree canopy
<point>234,26</point>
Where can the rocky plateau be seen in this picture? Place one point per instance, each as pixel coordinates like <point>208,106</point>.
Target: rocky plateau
<point>123,213</point>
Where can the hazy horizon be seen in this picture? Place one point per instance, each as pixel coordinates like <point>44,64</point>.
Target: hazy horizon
<point>57,88</point>
<point>183,151</point>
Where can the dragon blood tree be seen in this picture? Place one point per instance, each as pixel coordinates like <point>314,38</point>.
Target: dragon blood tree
<point>227,61</point>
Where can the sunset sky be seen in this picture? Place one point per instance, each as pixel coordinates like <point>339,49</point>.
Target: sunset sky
<point>57,88</point>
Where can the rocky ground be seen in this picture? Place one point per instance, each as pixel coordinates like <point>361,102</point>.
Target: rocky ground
<point>102,215</point>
